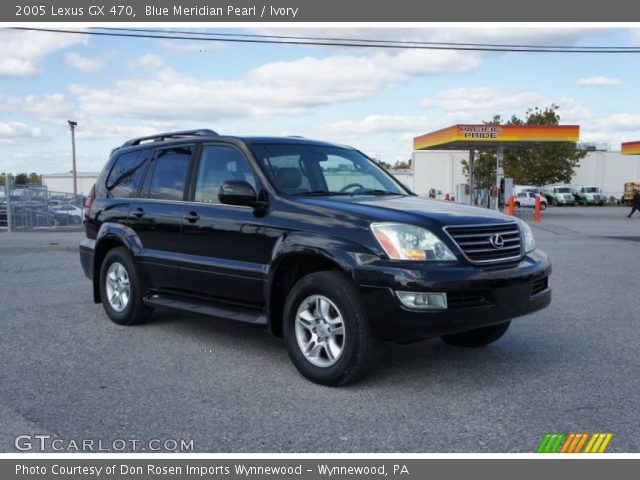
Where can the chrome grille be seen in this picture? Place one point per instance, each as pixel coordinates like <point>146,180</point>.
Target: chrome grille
<point>476,245</point>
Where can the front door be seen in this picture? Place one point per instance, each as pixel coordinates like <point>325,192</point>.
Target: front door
<point>223,247</point>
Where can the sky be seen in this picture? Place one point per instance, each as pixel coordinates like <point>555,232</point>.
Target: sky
<point>373,99</point>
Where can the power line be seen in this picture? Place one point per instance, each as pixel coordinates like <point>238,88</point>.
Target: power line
<point>400,42</point>
<point>381,44</point>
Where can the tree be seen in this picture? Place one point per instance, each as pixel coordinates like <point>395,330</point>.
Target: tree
<point>35,178</point>
<point>399,165</point>
<point>21,179</point>
<point>537,165</point>
<point>382,163</point>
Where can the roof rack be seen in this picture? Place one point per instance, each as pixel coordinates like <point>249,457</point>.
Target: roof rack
<point>204,132</point>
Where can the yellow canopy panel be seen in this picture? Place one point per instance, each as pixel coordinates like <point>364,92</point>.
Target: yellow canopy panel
<point>466,137</point>
<point>631,148</point>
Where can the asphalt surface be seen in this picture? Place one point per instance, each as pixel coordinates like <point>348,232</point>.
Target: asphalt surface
<point>68,372</point>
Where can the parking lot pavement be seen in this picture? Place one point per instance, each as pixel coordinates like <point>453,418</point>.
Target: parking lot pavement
<point>574,367</point>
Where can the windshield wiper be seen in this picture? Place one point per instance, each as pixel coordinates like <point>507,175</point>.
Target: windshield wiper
<point>320,193</point>
<point>375,192</point>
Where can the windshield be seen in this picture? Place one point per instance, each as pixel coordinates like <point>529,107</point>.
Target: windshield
<point>563,190</point>
<point>591,190</point>
<point>298,169</point>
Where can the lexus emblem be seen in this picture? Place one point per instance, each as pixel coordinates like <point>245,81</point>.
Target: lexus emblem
<point>496,241</point>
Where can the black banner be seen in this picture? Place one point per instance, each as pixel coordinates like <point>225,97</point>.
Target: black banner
<point>317,469</point>
<point>316,11</point>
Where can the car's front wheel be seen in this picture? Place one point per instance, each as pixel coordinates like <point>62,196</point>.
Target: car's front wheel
<point>478,337</point>
<point>326,330</point>
<point>121,288</point>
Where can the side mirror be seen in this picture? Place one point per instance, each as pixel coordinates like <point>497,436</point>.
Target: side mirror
<point>237,192</point>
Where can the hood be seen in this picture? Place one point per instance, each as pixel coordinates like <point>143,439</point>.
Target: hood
<point>408,209</point>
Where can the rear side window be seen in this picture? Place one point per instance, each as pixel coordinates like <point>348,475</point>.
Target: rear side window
<point>170,173</point>
<point>125,176</point>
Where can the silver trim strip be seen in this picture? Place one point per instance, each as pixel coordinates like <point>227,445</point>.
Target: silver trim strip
<point>488,226</point>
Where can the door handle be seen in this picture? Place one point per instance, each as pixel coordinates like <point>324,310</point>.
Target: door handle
<point>138,213</point>
<point>192,217</point>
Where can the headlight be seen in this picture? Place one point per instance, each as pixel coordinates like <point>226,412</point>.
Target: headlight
<point>408,242</point>
<point>527,236</point>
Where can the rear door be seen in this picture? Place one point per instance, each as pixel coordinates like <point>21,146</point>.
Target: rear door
<point>156,216</point>
<point>223,246</point>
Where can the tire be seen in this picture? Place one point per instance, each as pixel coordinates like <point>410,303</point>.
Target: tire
<point>127,309</point>
<point>354,353</point>
<point>543,205</point>
<point>518,204</point>
<point>77,220</point>
<point>479,337</point>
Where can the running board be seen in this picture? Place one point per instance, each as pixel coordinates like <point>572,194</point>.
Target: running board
<point>218,310</point>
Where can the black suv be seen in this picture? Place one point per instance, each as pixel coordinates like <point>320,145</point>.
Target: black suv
<point>311,240</point>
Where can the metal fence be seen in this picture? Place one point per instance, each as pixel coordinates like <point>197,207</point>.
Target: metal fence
<point>28,207</point>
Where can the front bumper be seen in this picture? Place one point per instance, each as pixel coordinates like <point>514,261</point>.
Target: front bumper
<point>476,297</point>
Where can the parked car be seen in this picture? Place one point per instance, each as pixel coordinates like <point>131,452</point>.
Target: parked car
<point>591,196</point>
<point>528,199</point>
<point>310,240</point>
<point>66,214</point>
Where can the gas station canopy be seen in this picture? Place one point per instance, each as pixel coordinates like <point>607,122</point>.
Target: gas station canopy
<point>480,137</point>
<point>631,148</point>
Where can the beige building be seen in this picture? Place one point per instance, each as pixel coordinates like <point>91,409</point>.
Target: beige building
<point>442,170</point>
<point>63,182</point>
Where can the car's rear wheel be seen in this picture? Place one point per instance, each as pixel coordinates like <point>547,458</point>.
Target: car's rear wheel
<point>478,337</point>
<point>121,289</point>
<point>326,330</point>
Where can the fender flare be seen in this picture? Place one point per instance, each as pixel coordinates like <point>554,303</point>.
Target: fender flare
<point>108,233</point>
<point>345,254</point>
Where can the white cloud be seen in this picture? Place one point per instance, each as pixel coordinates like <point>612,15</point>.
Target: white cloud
<point>621,122</point>
<point>477,104</point>
<point>22,51</point>
<point>481,99</point>
<point>379,124</point>
<point>429,62</point>
<point>521,36</point>
<point>86,64</point>
<point>54,108</point>
<point>147,61</point>
<point>15,133</point>
<point>599,81</point>
<point>291,88</point>
<point>92,129</point>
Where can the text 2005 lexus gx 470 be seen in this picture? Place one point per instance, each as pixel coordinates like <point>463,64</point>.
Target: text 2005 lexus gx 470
<point>310,240</point>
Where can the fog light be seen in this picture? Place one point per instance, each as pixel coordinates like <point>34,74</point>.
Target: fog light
<point>423,301</point>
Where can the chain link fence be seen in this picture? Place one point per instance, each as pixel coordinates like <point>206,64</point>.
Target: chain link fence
<point>31,207</point>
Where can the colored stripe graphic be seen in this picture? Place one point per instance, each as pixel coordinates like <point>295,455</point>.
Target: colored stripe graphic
<point>554,442</point>
<point>550,443</point>
<point>496,133</point>
<point>630,148</point>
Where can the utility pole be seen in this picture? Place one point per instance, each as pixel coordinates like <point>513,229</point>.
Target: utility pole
<point>73,125</point>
